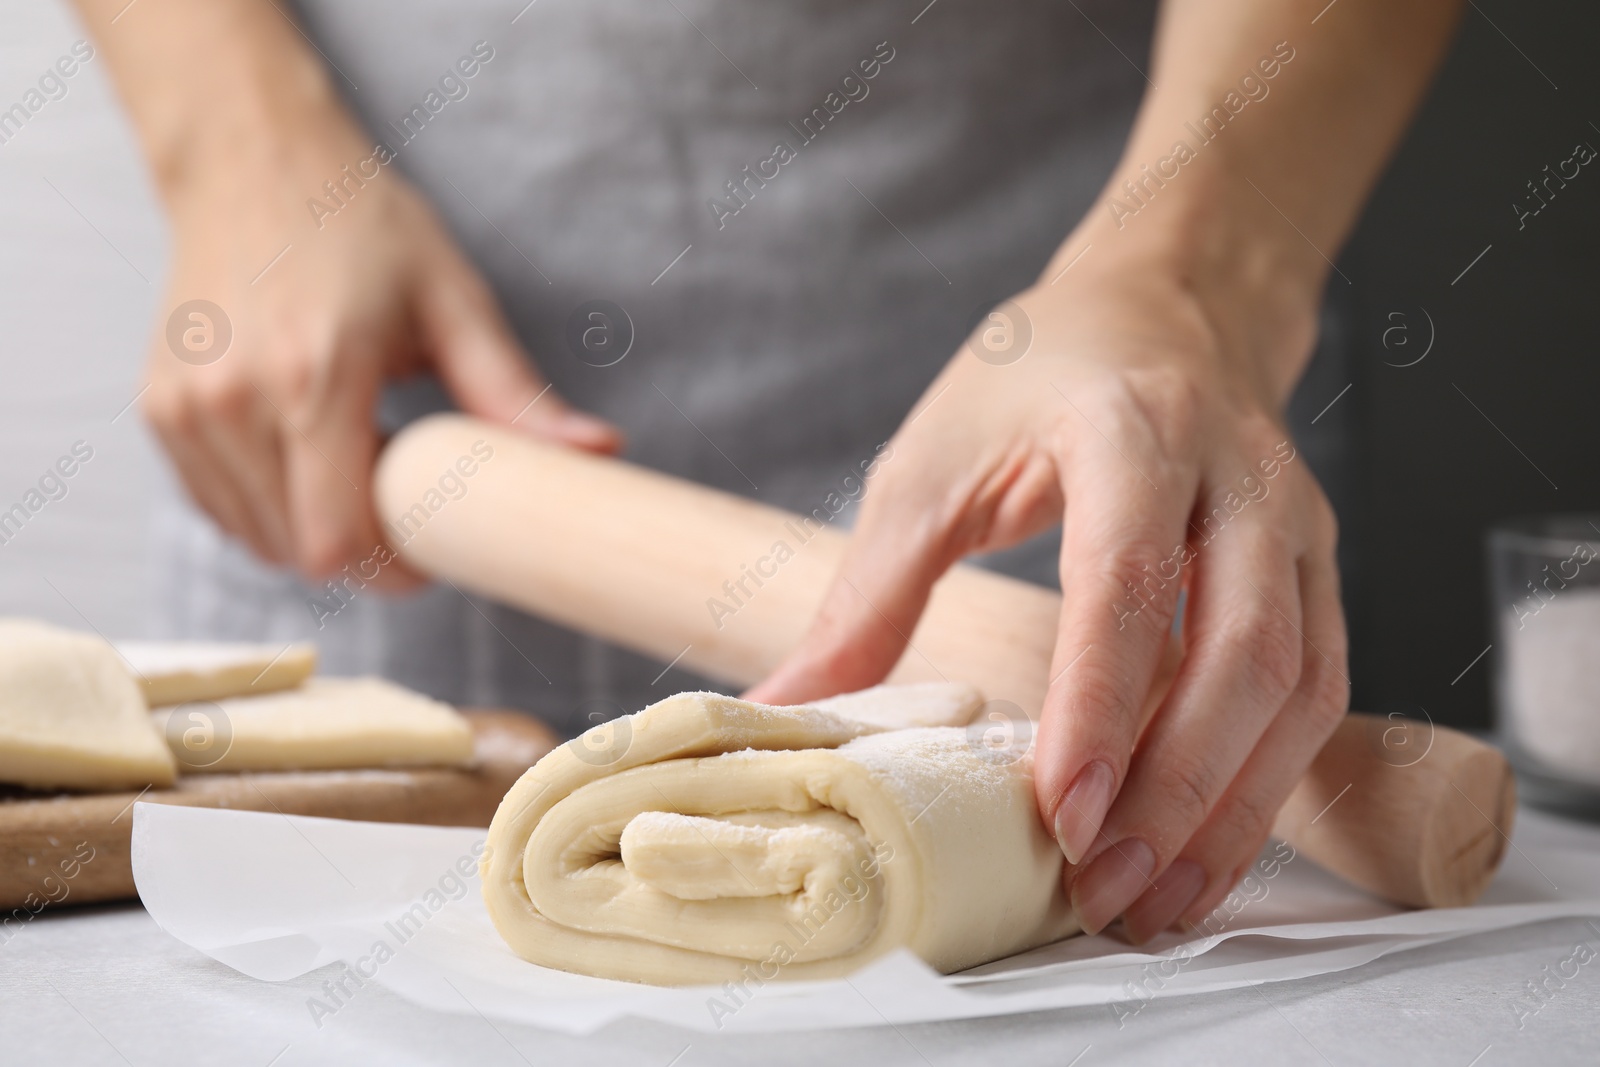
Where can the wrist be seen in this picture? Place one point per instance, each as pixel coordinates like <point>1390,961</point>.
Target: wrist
<point>226,97</point>
<point>262,140</point>
<point>1207,236</point>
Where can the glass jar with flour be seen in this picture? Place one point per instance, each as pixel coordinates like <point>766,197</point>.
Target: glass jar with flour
<point>1544,575</point>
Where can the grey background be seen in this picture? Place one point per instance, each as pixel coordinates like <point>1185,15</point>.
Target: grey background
<point>85,250</point>
<point>81,263</point>
<point>1514,335</point>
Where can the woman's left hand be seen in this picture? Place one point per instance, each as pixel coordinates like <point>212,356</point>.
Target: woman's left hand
<point>1147,420</point>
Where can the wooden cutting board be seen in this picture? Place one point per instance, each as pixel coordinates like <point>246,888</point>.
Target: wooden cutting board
<point>74,848</point>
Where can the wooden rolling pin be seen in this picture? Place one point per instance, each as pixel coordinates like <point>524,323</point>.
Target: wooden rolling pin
<point>1418,814</point>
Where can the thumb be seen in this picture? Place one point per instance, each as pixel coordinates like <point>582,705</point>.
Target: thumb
<point>489,374</point>
<point>868,615</point>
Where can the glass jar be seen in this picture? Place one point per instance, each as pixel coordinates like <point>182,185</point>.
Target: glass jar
<point>1544,577</point>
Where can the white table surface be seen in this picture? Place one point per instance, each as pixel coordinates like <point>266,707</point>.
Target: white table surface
<point>104,985</point>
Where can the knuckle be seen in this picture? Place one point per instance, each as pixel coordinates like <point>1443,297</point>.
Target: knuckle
<point>1172,401</point>
<point>1188,787</point>
<point>294,374</point>
<point>1163,405</point>
<point>1098,700</point>
<point>224,394</point>
<point>1140,545</point>
<point>1246,819</point>
<point>1140,559</point>
<point>1138,572</point>
<point>1273,650</point>
<point>299,356</point>
<point>324,556</point>
<point>912,510</point>
<point>1327,694</point>
<point>1259,433</point>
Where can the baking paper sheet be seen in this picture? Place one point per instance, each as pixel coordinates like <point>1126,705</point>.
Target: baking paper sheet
<point>276,896</point>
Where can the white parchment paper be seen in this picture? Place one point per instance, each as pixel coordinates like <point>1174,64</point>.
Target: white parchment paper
<point>276,896</point>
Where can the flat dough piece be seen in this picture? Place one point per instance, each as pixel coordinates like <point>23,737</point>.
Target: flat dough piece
<point>70,714</point>
<point>174,672</point>
<point>709,839</point>
<point>326,724</point>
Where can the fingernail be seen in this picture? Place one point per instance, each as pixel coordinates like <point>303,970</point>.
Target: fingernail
<point>1083,809</point>
<point>1114,880</point>
<point>1158,908</point>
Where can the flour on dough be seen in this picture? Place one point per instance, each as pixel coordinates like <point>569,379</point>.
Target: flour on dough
<point>326,724</point>
<point>71,716</point>
<point>904,707</point>
<point>173,672</point>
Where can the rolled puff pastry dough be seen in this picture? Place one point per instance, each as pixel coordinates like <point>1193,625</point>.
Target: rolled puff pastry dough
<point>71,716</point>
<point>708,839</point>
<point>326,724</point>
<point>172,672</point>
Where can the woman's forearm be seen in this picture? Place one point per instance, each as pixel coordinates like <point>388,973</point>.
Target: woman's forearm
<point>217,87</point>
<point>1257,143</point>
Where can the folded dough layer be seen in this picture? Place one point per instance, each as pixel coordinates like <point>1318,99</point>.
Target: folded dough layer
<point>71,716</point>
<point>707,838</point>
<point>176,672</point>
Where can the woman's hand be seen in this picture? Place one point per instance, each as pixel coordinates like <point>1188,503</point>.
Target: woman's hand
<point>1142,420</point>
<point>1146,415</point>
<point>273,433</point>
<point>276,437</point>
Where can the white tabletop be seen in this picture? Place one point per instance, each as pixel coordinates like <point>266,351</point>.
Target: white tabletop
<point>107,986</point>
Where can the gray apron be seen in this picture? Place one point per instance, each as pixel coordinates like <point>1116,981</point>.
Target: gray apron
<point>788,304</point>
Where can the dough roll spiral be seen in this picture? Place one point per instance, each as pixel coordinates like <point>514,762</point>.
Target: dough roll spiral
<point>707,838</point>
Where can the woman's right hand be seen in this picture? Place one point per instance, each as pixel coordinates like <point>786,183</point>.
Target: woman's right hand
<point>275,435</point>
<point>273,432</point>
